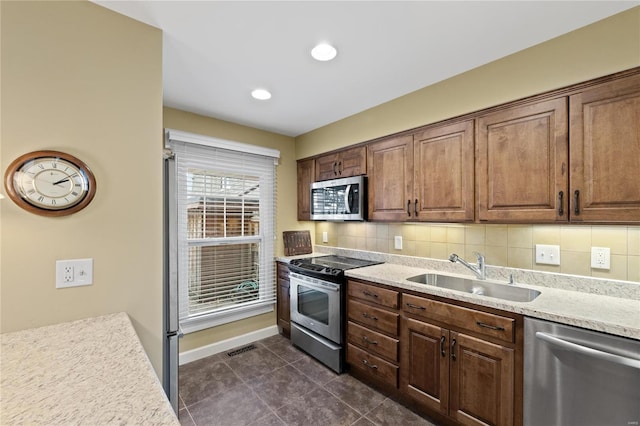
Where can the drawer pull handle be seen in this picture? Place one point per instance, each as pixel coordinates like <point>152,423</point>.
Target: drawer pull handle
<point>368,293</point>
<point>372,366</point>
<point>442,351</point>
<point>453,349</point>
<point>366,315</point>
<point>371,342</point>
<point>492,327</point>
<point>412,306</point>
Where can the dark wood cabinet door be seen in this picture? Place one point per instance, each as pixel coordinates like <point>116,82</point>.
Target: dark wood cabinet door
<point>306,173</point>
<point>326,167</point>
<point>424,365</point>
<point>605,152</point>
<point>522,165</point>
<point>390,184</point>
<point>283,299</point>
<point>443,173</point>
<point>482,381</point>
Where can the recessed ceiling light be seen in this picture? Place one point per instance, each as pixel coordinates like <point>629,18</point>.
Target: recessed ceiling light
<point>324,52</point>
<point>261,94</point>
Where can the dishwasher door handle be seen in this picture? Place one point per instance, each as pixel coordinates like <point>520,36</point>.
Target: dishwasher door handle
<point>574,347</point>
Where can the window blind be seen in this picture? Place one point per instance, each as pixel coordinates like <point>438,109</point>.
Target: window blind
<point>226,196</point>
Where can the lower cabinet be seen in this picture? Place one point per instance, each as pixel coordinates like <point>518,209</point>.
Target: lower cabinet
<point>282,300</point>
<point>458,364</point>
<point>372,333</point>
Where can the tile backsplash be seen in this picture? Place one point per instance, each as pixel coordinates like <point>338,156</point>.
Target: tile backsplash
<point>502,245</point>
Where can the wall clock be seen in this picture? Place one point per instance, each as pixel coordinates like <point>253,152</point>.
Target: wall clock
<point>50,183</point>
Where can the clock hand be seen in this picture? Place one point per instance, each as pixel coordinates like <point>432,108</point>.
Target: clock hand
<point>62,180</point>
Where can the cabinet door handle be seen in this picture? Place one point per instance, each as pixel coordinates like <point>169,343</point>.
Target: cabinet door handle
<point>415,208</point>
<point>412,306</point>
<point>371,342</point>
<point>492,327</point>
<point>335,164</point>
<point>576,202</point>
<point>368,293</point>
<point>409,208</point>
<point>339,167</point>
<point>442,351</point>
<point>453,349</point>
<point>560,203</point>
<point>372,366</point>
<point>366,315</point>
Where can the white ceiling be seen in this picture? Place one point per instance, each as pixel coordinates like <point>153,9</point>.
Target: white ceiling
<point>216,52</point>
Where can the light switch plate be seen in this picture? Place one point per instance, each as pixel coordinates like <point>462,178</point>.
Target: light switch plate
<point>74,272</point>
<point>547,254</point>
<point>325,237</point>
<point>600,257</point>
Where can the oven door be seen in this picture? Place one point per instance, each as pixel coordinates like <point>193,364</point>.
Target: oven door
<point>315,305</point>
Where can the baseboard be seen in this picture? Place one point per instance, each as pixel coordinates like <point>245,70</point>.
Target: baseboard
<point>224,345</point>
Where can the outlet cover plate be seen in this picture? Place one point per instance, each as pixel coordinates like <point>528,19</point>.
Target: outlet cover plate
<point>600,257</point>
<point>547,254</point>
<point>397,242</point>
<point>74,272</point>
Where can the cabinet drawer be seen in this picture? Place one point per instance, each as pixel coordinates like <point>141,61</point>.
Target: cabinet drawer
<point>372,365</point>
<point>378,319</point>
<point>374,342</point>
<point>378,295</point>
<point>469,319</point>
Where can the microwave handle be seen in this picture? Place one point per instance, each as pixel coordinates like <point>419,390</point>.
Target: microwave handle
<point>347,195</point>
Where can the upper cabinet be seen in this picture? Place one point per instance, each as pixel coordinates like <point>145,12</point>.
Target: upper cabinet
<point>427,176</point>
<point>306,172</point>
<point>605,152</point>
<point>390,179</point>
<point>443,173</point>
<point>522,170</point>
<point>346,163</point>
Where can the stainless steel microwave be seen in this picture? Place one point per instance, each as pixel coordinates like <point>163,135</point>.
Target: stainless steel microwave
<point>339,199</point>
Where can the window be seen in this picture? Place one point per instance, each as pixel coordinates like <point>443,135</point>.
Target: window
<point>226,229</point>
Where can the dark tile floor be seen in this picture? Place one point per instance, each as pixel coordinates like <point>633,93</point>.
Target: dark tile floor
<point>276,384</point>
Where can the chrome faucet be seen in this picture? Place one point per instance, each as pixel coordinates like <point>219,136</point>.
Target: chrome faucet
<point>479,270</point>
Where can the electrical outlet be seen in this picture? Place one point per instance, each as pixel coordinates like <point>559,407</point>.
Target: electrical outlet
<point>74,273</point>
<point>547,254</point>
<point>601,257</point>
<point>397,242</point>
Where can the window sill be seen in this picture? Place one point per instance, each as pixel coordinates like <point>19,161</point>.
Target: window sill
<point>192,325</point>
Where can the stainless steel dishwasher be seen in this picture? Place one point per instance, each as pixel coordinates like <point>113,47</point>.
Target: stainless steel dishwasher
<point>574,376</point>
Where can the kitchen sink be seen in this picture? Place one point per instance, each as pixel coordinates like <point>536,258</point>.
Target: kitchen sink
<point>487,288</point>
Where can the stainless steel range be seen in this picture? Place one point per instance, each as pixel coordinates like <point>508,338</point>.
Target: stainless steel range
<point>317,290</point>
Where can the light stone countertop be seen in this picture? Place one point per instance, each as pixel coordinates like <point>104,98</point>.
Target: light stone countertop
<point>602,305</point>
<point>87,372</point>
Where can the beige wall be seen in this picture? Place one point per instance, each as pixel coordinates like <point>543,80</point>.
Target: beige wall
<point>84,80</point>
<point>286,203</point>
<point>602,48</point>
<point>599,49</point>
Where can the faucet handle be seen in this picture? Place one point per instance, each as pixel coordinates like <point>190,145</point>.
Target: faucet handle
<point>480,256</point>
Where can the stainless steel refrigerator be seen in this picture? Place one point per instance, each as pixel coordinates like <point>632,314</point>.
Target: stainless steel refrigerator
<point>170,323</point>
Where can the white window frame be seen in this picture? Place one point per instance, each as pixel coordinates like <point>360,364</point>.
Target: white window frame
<point>267,229</point>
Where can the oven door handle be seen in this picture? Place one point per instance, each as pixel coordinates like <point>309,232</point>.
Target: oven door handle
<point>574,347</point>
<point>315,284</point>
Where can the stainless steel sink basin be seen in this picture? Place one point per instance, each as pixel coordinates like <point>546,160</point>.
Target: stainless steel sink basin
<point>481,287</point>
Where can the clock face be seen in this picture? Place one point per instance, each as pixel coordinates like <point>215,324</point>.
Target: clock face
<point>50,183</point>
